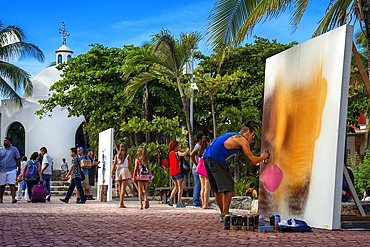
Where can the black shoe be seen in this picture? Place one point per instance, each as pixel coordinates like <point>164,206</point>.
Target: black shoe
<point>80,202</point>
<point>63,200</point>
<point>77,199</point>
<point>14,201</point>
<point>48,198</point>
<point>90,197</point>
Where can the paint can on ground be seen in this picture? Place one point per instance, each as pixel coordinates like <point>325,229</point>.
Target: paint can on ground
<point>272,220</point>
<point>227,222</point>
<point>234,223</point>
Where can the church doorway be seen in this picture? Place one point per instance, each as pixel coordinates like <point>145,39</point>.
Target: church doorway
<point>81,137</point>
<point>17,133</point>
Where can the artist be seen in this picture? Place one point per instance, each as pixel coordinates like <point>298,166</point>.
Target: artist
<point>219,174</point>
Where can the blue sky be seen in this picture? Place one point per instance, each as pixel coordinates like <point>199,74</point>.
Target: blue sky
<point>118,23</point>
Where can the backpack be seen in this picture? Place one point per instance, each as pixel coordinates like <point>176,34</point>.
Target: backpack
<point>32,173</point>
<point>144,174</point>
<point>184,164</point>
<point>294,225</point>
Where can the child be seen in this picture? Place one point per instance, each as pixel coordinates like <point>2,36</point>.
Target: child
<point>251,192</point>
<point>142,175</point>
<point>64,167</point>
<point>22,186</point>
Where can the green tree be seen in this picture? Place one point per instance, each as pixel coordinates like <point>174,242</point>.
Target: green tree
<point>13,45</point>
<point>167,58</point>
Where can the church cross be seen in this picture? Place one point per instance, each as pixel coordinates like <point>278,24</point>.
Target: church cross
<point>64,33</point>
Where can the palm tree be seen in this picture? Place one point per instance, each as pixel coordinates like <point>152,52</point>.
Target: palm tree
<point>167,58</point>
<point>13,46</point>
<point>230,21</point>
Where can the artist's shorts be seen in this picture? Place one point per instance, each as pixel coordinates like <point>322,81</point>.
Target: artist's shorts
<point>219,176</point>
<point>8,177</point>
<point>178,176</point>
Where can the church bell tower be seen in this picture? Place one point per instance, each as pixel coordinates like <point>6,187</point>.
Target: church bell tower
<point>64,53</point>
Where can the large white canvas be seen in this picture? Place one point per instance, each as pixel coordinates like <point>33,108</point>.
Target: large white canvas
<point>305,109</point>
<point>106,160</point>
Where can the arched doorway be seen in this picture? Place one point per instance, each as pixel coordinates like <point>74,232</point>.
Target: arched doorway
<point>17,133</point>
<point>81,137</point>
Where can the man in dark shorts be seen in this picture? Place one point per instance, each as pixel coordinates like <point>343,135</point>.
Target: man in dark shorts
<point>219,174</point>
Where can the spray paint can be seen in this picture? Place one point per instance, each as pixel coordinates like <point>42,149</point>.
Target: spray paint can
<point>272,220</point>
<point>256,221</point>
<point>277,221</point>
<point>227,222</point>
<point>251,222</point>
<point>245,223</point>
<point>234,223</point>
<point>261,220</point>
<point>239,219</point>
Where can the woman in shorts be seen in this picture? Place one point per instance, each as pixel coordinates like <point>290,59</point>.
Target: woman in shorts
<point>122,164</point>
<point>176,174</point>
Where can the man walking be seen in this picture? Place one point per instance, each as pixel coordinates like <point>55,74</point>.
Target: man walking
<point>219,174</point>
<point>194,158</point>
<point>46,170</point>
<point>9,161</point>
<point>75,174</point>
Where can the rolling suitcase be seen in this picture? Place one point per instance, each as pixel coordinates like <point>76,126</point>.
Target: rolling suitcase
<point>38,193</point>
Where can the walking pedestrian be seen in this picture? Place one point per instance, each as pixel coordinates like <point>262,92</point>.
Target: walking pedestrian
<point>9,161</point>
<point>85,182</point>
<point>32,173</point>
<point>122,167</point>
<point>75,174</point>
<point>91,173</point>
<point>47,170</point>
<point>205,186</point>
<point>22,185</point>
<point>142,175</point>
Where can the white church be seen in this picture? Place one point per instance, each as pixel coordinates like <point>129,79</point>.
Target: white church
<point>28,132</point>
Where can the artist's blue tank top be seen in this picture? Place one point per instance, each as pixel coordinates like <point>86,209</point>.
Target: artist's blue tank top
<point>217,151</point>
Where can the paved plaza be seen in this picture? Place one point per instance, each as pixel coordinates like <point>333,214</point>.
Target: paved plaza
<point>104,224</point>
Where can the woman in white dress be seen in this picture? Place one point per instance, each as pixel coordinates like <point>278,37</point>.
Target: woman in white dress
<point>122,166</point>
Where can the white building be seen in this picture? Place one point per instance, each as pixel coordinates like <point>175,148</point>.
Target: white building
<point>28,132</point>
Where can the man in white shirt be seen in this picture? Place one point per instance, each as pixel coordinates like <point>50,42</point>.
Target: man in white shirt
<point>46,170</point>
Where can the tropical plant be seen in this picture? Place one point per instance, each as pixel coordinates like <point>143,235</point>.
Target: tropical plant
<point>231,21</point>
<point>13,46</point>
<point>167,58</point>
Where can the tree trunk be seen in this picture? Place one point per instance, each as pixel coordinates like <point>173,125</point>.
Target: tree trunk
<point>213,116</point>
<point>361,69</point>
<point>185,104</point>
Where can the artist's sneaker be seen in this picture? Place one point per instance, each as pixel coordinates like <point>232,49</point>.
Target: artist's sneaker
<point>180,205</point>
<point>169,202</point>
<point>222,217</point>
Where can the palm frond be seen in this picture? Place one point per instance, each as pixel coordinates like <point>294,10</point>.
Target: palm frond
<point>333,17</point>
<point>17,77</point>
<point>19,50</point>
<point>133,87</point>
<point>7,91</point>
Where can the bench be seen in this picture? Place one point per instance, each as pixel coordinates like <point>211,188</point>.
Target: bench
<point>165,191</point>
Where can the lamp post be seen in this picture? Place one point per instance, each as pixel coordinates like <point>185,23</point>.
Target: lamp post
<point>188,71</point>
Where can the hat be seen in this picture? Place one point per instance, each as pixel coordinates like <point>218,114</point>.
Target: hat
<point>80,148</point>
<point>88,150</point>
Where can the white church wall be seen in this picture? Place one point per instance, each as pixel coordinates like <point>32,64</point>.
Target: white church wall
<point>56,133</point>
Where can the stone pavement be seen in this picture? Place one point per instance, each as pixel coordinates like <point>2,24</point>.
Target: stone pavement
<point>104,224</point>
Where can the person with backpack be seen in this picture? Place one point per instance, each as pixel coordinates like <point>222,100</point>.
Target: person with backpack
<point>32,173</point>
<point>142,175</point>
<point>176,174</point>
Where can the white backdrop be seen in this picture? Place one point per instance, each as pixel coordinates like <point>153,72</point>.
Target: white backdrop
<point>106,160</point>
